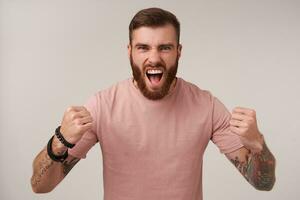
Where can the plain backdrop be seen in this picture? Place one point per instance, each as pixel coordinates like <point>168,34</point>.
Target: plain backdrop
<point>57,53</point>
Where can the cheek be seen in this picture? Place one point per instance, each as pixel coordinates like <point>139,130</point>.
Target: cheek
<point>138,59</point>
<point>170,60</point>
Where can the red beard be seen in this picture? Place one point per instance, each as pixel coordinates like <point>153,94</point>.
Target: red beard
<point>140,77</point>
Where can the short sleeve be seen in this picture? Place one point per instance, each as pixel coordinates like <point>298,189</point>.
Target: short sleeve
<point>89,139</point>
<point>222,136</point>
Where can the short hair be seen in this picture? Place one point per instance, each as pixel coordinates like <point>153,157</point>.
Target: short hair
<point>153,17</point>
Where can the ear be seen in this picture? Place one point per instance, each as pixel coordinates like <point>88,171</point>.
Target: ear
<point>179,50</point>
<point>129,50</point>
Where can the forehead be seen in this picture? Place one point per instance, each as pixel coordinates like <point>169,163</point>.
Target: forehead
<point>154,35</point>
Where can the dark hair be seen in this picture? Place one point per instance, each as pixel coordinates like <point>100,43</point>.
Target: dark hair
<point>153,17</point>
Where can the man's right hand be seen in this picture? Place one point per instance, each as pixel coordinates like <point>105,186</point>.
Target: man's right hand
<point>76,121</point>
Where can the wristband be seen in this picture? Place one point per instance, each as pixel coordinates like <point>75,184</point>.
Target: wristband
<point>54,157</point>
<point>62,139</point>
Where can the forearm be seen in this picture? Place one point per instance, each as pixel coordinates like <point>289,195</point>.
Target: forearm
<point>261,169</point>
<point>258,169</point>
<point>48,173</point>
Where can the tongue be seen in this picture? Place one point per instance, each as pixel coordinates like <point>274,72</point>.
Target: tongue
<point>154,79</point>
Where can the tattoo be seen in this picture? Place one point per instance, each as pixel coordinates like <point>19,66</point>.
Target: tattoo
<point>258,169</point>
<point>44,165</point>
<point>68,165</point>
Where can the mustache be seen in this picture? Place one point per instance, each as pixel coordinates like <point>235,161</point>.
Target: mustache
<point>157,65</point>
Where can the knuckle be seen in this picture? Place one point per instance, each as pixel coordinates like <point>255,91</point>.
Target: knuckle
<point>73,116</point>
<point>77,121</point>
<point>88,113</point>
<point>70,108</point>
<point>252,112</point>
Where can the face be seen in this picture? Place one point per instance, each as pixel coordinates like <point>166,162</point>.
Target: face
<point>154,54</point>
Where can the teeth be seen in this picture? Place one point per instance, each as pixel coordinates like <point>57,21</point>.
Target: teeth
<point>154,71</point>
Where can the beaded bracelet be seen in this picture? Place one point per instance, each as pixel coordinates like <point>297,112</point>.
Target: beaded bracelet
<point>54,157</point>
<point>62,139</point>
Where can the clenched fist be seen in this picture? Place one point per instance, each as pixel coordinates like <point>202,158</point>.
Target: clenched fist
<point>243,123</point>
<point>76,121</point>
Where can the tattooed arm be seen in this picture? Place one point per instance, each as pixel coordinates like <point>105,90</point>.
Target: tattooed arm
<point>254,160</point>
<point>77,120</point>
<point>258,168</point>
<point>48,173</point>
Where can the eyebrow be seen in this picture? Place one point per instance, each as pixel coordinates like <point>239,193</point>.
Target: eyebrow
<point>143,44</point>
<point>167,45</point>
<point>140,44</point>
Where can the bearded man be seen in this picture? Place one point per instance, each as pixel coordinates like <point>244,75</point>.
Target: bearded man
<point>153,128</point>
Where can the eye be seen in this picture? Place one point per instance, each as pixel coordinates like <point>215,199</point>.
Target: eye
<point>165,48</point>
<point>142,47</point>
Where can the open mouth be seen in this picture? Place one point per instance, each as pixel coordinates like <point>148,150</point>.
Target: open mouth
<point>154,75</point>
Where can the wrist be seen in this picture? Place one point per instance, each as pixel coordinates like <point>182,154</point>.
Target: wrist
<point>62,139</point>
<point>57,158</point>
<point>57,147</point>
<point>259,144</point>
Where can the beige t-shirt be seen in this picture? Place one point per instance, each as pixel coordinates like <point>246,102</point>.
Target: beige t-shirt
<point>153,150</point>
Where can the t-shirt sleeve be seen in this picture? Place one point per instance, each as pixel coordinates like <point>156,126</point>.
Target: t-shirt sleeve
<point>222,136</point>
<point>89,139</point>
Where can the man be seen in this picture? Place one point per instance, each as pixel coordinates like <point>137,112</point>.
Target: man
<point>153,128</point>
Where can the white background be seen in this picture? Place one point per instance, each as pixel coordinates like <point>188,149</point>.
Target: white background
<point>57,53</point>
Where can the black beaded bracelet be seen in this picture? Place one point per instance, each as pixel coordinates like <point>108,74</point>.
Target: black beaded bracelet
<point>62,139</point>
<point>54,157</point>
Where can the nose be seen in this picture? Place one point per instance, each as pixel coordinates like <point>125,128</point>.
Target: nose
<point>154,58</point>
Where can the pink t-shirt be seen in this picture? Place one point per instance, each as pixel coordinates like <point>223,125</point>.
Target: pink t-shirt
<point>153,150</point>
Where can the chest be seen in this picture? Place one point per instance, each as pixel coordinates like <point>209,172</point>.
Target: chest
<point>161,132</point>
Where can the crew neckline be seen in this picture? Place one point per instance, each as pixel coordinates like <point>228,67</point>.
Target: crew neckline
<point>165,98</point>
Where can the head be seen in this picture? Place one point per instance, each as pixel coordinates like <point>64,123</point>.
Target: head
<point>154,51</point>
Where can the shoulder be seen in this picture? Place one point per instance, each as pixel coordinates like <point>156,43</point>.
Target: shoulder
<point>109,94</point>
<point>113,89</point>
<point>193,91</point>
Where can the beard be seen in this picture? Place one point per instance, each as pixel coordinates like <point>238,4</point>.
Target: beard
<point>140,77</point>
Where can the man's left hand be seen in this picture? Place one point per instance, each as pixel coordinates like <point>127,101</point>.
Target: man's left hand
<point>243,123</point>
